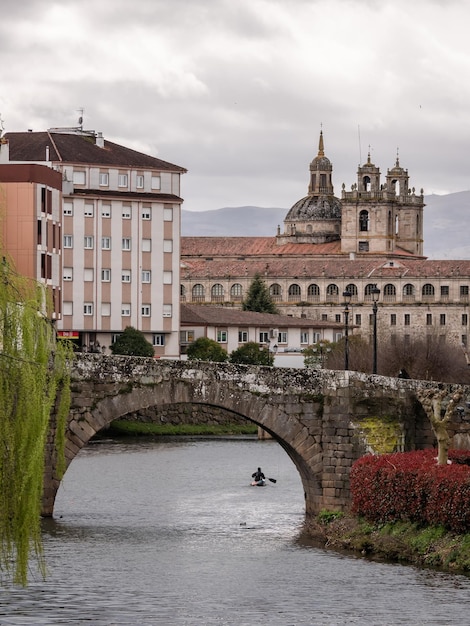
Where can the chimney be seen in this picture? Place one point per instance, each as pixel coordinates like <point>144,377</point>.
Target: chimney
<point>4,150</point>
<point>100,140</point>
<point>47,153</point>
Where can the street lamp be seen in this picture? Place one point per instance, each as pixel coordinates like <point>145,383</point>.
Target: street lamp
<point>347,295</point>
<point>375,292</point>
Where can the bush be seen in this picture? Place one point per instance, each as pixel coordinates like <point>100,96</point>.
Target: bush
<point>205,349</point>
<point>412,487</point>
<point>252,353</point>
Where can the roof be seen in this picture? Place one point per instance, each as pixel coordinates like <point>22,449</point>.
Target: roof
<point>205,315</point>
<point>334,268</point>
<point>240,247</point>
<point>76,147</point>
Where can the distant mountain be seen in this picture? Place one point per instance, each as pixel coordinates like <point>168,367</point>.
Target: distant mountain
<point>446,224</point>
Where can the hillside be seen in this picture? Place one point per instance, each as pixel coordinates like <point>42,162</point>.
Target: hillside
<point>446,219</point>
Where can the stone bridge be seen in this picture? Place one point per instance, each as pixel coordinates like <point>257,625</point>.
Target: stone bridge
<point>315,415</point>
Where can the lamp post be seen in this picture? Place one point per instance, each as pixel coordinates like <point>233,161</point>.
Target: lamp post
<point>375,292</point>
<point>347,299</point>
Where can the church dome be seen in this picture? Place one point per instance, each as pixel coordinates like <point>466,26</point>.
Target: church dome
<point>315,208</point>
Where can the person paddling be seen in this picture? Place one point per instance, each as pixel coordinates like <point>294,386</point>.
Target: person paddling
<point>258,477</point>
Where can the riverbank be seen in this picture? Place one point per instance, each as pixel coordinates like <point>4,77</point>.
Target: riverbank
<point>401,542</point>
<point>123,428</point>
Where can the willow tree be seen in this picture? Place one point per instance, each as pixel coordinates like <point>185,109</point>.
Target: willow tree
<point>33,379</point>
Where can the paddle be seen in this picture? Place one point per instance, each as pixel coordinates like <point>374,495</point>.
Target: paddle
<point>273,480</point>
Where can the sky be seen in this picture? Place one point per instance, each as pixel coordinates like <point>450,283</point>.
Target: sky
<point>237,91</point>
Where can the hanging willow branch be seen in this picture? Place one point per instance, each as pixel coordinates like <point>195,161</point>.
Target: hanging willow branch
<point>33,367</point>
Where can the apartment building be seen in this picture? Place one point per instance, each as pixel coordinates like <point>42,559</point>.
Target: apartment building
<point>120,237</point>
<point>30,224</point>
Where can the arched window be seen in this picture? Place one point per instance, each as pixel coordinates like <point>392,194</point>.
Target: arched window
<point>332,293</point>
<point>364,221</point>
<point>197,293</point>
<point>217,293</point>
<point>408,290</point>
<point>427,291</point>
<point>368,291</point>
<point>352,289</point>
<point>390,293</point>
<point>236,292</point>
<point>294,293</point>
<point>313,293</point>
<point>366,183</point>
<point>275,291</point>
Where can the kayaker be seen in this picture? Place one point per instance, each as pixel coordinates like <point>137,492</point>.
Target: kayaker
<point>258,475</point>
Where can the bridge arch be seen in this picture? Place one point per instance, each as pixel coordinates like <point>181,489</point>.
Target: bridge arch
<point>312,414</point>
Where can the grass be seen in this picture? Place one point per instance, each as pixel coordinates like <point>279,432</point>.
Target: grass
<point>134,429</point>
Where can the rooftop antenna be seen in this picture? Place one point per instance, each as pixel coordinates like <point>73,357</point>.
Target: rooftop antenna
<point>80,119</point>
<point>359,139</point>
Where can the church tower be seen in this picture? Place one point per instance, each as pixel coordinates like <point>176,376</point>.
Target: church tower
<point>316,218</point>
<point>382,218</point>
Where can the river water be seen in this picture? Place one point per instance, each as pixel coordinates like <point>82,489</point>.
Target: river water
<point>171,533</point>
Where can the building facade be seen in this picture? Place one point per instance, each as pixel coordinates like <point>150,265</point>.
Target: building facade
<point>120,237</point>
<point>370,238</point>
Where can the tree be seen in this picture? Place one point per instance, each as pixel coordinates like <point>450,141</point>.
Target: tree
<point>252,353</point>
<point>132,342</point>
<point>258,297</point>
<point>205,349</point>
<point>34,378</point>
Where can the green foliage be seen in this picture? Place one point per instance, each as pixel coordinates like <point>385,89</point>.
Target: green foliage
<point>316,355</point>
<point>34,375</point>
<point>132,342</point>
<point>382,434</point>
<point>205,349</point>
<point>258,297</point>
<point>252,353</point>
<point>326,517</point>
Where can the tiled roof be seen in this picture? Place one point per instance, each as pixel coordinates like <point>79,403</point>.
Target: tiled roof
<point>193,314</point>
<point>334,268</point>
<point>80,148</point>
<point>251,246</point>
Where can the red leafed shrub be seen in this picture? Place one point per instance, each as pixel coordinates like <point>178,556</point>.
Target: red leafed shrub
<point>410,486</point>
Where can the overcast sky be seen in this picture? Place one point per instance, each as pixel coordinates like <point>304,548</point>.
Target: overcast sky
<point>236,91</point>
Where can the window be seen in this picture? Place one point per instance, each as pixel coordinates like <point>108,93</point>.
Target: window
<point>104,179</point>
<point>125,310</point>
<point>167,310</point>
<point>324,317</point>
<point>407,319</point>
<point>88,275</point>
<point>364,221</point>
<point>294,292</point>
<point>145,310</point>
<point>156,183</point>
<point>428,290</point>
<point>88,242</point>
<point>217,291</point>
<point>167,278</point>
<point>332,290</point>
<point>126,212</point>
<point>79,177</point>
<point>236,291</point>
<point>428,319</point>
<point>122,180</point>
<point>158,339</point>
<point>282,336</point>
<point>168,245</point>
<point>304,337</point>
<point>67,273</point>
<point>106,210</point>
<point>464,340</point>
<point>146,213</point>
<point>89,210</point>
<point>393,319</point>
<point>106,275</point>
<point>408,290</point>
<point>242,336</point>
<point>363,246</point>
<point>222,336</point>
<point>88,308</point>
<point>167,215</point>
<point>442,319</point>
<point>126,276</point>
<point>106,309</point>
<point>338,317</point>
<point>445,291</point>
<point>126,243</point>
<point>464,319</point>
<point>146,245</point>
<point>263,337</point>
<point>358,319</point>
<point>275,291</point>
<point>139,181</point>
<point>464,291</point>
<point>146,276</point>
<point>186,336</point>
<point>67,308</point>
<point>106,243</point>
<point>390,291</point>
<point>68,241</point>
<point>68,208</point>
<point>197,293</point>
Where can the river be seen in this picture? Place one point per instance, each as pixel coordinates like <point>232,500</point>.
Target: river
<point>170,533</point>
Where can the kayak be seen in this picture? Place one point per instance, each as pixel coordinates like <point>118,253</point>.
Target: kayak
<point>258,483</point>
